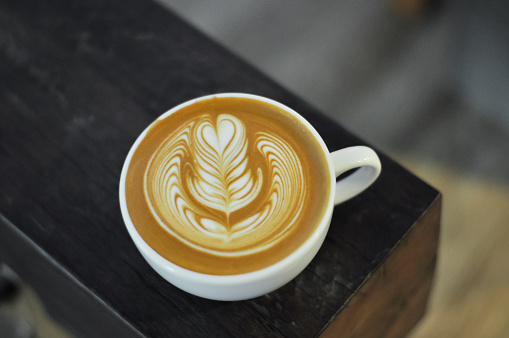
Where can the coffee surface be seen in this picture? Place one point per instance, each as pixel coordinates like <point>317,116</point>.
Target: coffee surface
<point>227,185</point>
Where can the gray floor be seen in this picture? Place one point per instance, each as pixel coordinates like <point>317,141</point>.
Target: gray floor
<point>432,92</point>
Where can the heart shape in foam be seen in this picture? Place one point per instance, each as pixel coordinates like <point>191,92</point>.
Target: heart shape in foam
<point>219,138</point>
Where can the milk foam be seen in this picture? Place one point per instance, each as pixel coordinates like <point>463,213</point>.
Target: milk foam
<point>204,172</point>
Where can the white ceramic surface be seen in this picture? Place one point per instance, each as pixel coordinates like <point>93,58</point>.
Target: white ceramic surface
<point>257,283</point>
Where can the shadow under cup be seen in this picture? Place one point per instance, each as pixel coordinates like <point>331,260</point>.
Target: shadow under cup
<point>230,196</point>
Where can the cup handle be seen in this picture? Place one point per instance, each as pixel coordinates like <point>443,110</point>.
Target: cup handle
<point>361,157</point>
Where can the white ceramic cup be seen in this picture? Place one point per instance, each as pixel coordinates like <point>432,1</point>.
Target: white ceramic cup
<point>257,283</point>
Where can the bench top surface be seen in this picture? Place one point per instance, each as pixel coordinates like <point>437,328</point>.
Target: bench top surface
<point>80,81</point>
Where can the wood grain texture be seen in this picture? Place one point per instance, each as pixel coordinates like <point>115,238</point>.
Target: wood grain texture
<point>394,298</point>
<point>80,80</point>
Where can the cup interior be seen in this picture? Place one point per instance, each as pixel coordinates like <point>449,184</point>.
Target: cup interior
<point>164,266</point>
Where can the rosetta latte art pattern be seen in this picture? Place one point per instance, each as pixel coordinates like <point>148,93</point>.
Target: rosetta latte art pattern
<point>203,187</point>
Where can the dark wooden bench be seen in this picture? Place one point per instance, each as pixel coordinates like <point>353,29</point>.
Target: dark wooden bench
<point>79,81</point>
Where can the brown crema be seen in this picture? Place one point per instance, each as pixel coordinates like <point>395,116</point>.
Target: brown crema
<point>227,185</point>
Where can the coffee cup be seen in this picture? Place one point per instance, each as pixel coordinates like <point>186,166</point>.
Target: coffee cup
<point>230,196</point>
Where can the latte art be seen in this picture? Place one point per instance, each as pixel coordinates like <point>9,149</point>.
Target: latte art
<point>201,175</point>
<point>227,185</point>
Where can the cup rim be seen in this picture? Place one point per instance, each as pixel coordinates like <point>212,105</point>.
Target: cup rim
<point>190,275</point>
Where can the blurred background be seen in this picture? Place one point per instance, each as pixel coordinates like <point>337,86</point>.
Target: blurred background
<point>425,81</point>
